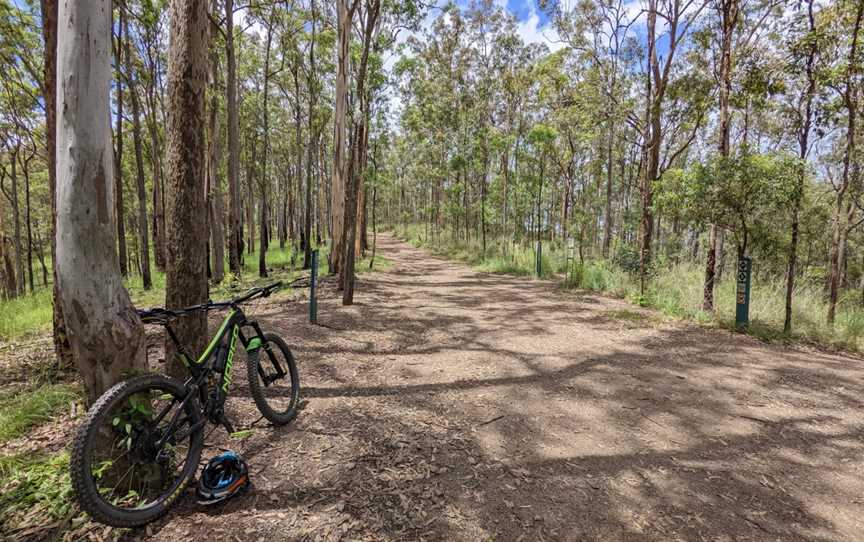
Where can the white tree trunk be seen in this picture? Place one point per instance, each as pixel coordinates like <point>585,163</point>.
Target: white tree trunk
<point>104,331</point>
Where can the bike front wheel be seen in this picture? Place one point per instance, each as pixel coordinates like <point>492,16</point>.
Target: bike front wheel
<point>136,451</point>
<point>273,380</point>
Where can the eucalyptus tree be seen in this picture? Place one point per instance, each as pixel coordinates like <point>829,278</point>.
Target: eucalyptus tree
<point>186,262</point>
<point>131,78</point>
<point>678,20</point>
<point>740,25</point>
<point>49,9</point>
<point>598,31</point>
<point>850,18</point>
<point>235,236</point>
<point>105,334</point>
<point>805,45</point>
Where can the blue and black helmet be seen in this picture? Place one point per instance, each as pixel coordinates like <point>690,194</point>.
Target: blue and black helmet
<point>224,476</point>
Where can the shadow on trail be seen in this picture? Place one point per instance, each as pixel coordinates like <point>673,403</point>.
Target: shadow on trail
<point>428,419</point>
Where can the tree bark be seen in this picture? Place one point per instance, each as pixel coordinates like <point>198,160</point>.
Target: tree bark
<point>62,348</point>
<point>262,183</point>
<point>840,224</point>
<point>186,262</point>
<point>310,152</point>
<point>143,233</point>
<point>728,11</point>
<point>338,190</point>
<point>28,221</point>
<point>118,157</point>
<point>12,196</point>
<point>234,203</point>
<point>216,205</point>
<point>805,123</point>
<point>106,336</point>
<point>357,147</point>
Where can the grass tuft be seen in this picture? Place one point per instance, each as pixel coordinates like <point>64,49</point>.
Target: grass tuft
<point>34,487</point>
<point>26,409</point>
<point>25,315</point>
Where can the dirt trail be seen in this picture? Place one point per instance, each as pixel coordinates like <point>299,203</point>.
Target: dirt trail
<point>454,405</point>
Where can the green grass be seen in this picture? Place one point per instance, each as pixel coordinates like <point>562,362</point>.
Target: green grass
<point>34,487</point>
<point>26,314</point>
<point>31,314</point>
<point>675,291</point>
<point>26,409</point>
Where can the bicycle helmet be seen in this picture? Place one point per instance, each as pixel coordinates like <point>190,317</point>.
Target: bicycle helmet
<point>224,476</point>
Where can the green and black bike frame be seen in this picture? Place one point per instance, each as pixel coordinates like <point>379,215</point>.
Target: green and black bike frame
<point>218,359</point>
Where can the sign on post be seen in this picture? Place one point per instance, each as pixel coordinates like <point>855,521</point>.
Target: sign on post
<point>742,293</point>
<point>313,285</point>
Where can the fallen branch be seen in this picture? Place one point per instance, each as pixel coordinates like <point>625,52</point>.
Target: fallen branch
<point>487,422</point>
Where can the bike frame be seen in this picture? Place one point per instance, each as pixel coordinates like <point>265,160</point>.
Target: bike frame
<point>219,357</point>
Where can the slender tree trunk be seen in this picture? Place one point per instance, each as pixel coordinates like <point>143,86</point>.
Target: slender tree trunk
<point>158,192</point>
<point>650,150</point>
<point>338,192</point>
<point>28,222</point>
<point>374,226</point>
<point>805,122</point>
<point>840,223</point>
<point>185,277</point>
<point>263,182</point>
<point>118,157</point>
<point>12,196</point>
<point>40,253</point>
<point>62,348</point>
<point>607,222</point>
<point>106,336</point>
<point>728,19</point>
<point>357,147</point>
<point>143,234</point>
<point>234,202</point>
<point>361,242</point>
<point>215,208</point>
<point>310,151</point>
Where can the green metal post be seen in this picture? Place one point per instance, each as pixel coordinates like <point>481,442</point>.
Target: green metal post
<point>742,293</point>
<point>313,286</point>
<point>539,264</point>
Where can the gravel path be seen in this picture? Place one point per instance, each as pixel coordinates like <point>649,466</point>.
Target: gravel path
<point>453,405</point>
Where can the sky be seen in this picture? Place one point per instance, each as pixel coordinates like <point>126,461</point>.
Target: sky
<point>533,24</point>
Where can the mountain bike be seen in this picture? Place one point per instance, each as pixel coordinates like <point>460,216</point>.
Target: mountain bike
<point>140,443</point>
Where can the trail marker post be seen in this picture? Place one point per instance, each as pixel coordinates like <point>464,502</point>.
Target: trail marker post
<point>313,286</point>
<point>742,293</point>
<point>538,265</point>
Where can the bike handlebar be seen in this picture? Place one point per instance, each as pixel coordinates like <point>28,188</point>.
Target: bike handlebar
<point>161,315</point>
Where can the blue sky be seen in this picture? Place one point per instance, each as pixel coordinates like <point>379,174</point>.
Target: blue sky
<point>524,9</point>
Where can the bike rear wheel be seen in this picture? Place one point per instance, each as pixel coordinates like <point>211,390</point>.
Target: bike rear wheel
<point>136,451</point>
<point>273,380</point>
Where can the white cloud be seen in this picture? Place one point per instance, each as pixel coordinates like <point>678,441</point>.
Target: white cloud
<point>531,32</point>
